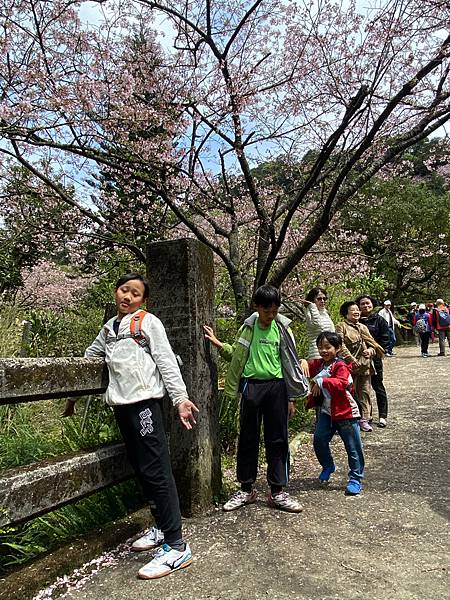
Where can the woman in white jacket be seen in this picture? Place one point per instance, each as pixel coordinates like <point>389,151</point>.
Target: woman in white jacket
<point>317,318</point>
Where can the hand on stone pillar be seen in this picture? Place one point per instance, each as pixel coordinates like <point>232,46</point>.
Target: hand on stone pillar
<point>209,335</point>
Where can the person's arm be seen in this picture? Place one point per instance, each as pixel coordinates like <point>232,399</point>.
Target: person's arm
<point>384,315</point>
<point>344,351</point>
<point>210,335</point>
<point>167,365</point>
<point>225,349</point>
<point>338,379</point>
<point>312,315</point>
<point>368,339</point>
<point>383,329</point>
<point>97,348</point>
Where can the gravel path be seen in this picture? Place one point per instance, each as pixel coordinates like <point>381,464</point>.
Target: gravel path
<point>393,542</point>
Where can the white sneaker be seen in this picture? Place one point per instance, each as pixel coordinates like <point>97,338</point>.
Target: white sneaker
<point>283,501</point>
<point>382,422</point>
<point>165,561</point>
<point>153,538</point>
<point>239,499</point>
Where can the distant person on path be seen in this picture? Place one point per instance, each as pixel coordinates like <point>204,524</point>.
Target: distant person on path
<point>141,370</point>
<point>441,323</point>
<point>423,325</point>
<point>338,411</point>
<point>411,313</point>
<point>388,315</point>
<point>429,306</point>
<point>379,330</point>
<point>358,348</point>
<point>264,368</point>
<point>317,318</point>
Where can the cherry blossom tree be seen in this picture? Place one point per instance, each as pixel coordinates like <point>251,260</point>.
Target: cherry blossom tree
<point>340,92</point>
<point>403,219</point>
<point>46,285</point>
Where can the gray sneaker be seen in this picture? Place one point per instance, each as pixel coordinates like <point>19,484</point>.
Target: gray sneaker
<point>239,499</point>
<point>283,501</point>
<point>152,539</point>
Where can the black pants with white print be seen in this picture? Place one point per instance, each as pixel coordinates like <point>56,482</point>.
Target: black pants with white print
<point>142,429</point>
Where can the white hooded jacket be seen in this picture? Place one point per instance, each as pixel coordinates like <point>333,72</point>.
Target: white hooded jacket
<point>135,374</point>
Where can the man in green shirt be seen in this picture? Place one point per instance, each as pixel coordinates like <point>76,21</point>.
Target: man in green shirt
<point>264,368</point>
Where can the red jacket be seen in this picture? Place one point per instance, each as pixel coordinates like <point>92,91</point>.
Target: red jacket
<point>338,385</point>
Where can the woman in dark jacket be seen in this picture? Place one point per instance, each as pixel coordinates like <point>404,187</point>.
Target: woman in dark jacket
<point>379,330</point>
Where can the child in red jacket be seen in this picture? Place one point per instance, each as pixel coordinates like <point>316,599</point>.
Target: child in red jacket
<point>338,411</point>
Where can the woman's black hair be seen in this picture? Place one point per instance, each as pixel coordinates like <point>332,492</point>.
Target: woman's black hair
<point>266,295</point>
<point>343,311</point>
<point>359,298</point>
<point>129,277</point>
<point>311,295</point>
<point>332,338</point>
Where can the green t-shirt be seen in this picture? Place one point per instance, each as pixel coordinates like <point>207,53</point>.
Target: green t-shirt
<point>264,360</point>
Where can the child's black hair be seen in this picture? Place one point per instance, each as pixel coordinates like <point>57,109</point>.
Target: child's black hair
<point>312,294</point>
<point>332,338</point>
<point>129,277</point>
<point>343,311</point>
<point>359,298</point>
<point>266,295</point>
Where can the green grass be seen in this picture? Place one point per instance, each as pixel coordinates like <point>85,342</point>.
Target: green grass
<point>21,544</point>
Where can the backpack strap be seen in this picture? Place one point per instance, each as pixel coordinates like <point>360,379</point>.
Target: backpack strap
<point>136,330</point>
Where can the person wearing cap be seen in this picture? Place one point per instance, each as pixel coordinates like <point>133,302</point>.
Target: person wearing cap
<point>412,311</point>
<point>423,324</point>
<point>441,323</point>
<point>388,316</point>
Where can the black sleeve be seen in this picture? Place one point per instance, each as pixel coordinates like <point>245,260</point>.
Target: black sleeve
<point>383,328</point>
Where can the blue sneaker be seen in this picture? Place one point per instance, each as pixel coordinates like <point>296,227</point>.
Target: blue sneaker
<point>326,473</point>
<point>165,561</point>
<point>353,488</point>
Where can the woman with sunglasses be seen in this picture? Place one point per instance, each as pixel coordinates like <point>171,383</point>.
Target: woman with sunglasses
<point>317,319</point>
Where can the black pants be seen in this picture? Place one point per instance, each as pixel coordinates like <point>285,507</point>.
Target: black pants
<point>424,341</point>
<point>376,381</point>
<point>142,429</point>
<point>264,401</point>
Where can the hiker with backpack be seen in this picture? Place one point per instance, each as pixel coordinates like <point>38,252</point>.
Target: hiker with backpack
<point>423,326</point>
<point>441,323</point>
<point>142,367</point>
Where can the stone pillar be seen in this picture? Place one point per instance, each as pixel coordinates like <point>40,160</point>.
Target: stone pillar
<point>181,276</point>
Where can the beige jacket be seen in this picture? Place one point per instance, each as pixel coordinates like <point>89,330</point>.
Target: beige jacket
<point>354,344</point>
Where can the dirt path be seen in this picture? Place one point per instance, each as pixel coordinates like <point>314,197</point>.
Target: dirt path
<point>392,543</point>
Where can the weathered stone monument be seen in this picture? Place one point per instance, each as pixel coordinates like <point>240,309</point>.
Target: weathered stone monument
<point>181,276</point>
